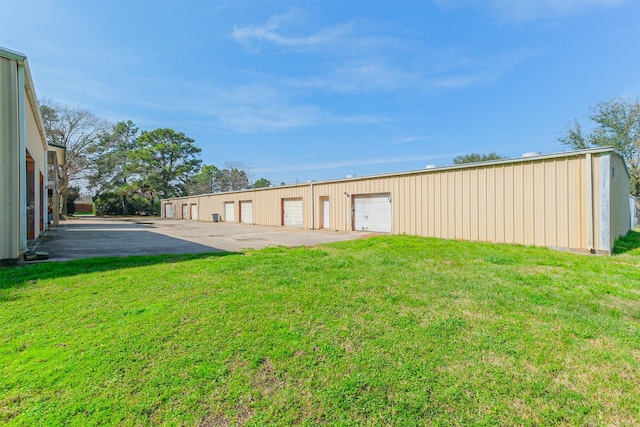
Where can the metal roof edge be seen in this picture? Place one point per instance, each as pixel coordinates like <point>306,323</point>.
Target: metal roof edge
<point>12,54</point>
<point>431,170</point>
<point>480,164</point>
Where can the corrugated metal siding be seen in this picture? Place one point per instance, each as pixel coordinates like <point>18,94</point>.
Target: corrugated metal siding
<point>9,159</point>
<point>620,217</point>
<point>541,201</point>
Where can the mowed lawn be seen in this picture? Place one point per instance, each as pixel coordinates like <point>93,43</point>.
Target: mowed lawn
<point>390,330</point>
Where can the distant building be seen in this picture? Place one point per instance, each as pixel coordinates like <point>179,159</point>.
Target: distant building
<point>28,166</point>
<point>577,200</point>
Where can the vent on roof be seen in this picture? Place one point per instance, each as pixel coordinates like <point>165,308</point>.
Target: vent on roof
<point>350,176</point>
<point>431,166</point>
<point>532,154</point>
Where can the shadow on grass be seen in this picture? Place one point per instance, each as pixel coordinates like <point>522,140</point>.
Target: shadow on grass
<point>13,277</point>
<point>627,243</point>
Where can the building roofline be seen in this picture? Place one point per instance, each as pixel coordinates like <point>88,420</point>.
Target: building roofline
<point>12,54</point>
<point>513,160</point>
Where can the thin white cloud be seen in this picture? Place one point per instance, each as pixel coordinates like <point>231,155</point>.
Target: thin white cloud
<point>352,163</point>
<point>270,32</point>
<point>410,139</point>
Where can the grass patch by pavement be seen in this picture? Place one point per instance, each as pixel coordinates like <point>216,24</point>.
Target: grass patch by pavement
<point>391,330</point>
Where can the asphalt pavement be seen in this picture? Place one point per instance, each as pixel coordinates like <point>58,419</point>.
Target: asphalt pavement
<point>90,236</point>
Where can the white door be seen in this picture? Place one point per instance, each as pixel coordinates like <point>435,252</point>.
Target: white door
<point>168,211</point>
<point>292,213</point>
<point>194,212</point>
<point>325,213</point>
<point>246,212</point>
<point>229,212</point>
<point>372,212</point>
<point>185,211</point>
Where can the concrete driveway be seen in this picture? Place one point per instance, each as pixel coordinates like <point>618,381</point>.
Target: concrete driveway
<point>89,237</point>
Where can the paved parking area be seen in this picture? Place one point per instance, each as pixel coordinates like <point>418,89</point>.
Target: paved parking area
<point>88,237</point>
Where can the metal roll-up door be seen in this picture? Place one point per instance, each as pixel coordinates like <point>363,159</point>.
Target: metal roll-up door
<point>292,213</point>
<point>246,212</point>
<point>168,211</point>
<point>229,212</point>
<point>372,212</point>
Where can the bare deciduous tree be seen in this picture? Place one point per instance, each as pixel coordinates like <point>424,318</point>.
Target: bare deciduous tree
<point>78,131</point>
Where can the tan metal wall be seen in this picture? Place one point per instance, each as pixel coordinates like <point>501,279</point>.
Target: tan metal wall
<point>543,201</point>
<point>620,218</point>
<point>37,148</point>
<point>9,161</point>
<point>19,130</point>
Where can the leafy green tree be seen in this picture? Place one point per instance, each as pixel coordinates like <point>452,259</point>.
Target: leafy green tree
<point>113,166</point>
<point>165,161</point>
<point>78,131</point>
<point>73,194</point>
<point>234,179</point>
<point>206,181</point>
<point>262,183</point>
<point>210,179</point>
<point>476,157</point>
<point>617,125</point>
<point>109,203</point>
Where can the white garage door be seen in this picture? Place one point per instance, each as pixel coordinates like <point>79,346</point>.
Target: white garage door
<point>185,211</point>
<point>292,213</point>
<point>229,212</point>
<point>372,212</point>
<point>194,212</point>
<point>246,212</point>
<point>168,211</point>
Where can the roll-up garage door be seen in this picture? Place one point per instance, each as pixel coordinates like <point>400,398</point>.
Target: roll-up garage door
<point>292,213</point>
<point>168,211</point>
<point>246,212</point>
<point>229,212</point>
<point>372,212</point>
<point>194,212</point>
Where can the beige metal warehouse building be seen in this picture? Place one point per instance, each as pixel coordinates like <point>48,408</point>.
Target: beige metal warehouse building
<point>28,168</point>
<point>575,200</point>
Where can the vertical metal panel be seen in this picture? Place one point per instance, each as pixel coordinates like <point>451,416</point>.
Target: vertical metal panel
<point>528,195</point>
<point>620,212</point>
<point>597,205</point>
<point>9,161</point>
<point>550,205</point>
<point>498,230</point>
<point>518,204</point>
<point>481,200</point>
<point>509,203</point>
<point>576,208</point>
<point>469,208</point>
<point>539,207</point>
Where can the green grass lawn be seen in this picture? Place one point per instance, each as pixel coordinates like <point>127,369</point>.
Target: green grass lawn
<point>391,330</point>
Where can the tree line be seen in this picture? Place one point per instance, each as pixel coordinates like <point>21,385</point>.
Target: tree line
<point>130,170</point>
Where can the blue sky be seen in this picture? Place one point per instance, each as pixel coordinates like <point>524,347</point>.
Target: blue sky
<point>321,89</point>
